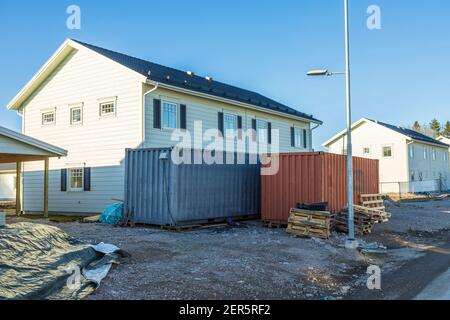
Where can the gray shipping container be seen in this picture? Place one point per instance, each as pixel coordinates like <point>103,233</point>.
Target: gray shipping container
<point>160,192</point>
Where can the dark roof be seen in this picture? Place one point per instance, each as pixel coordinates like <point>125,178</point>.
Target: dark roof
<point>412,134</point>
<point>181,79</point>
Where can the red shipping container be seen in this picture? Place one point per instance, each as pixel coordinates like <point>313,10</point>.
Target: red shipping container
<point>314,177</point>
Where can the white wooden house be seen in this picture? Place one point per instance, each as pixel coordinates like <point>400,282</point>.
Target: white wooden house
<point>95,103</point>
<point>409,161</point>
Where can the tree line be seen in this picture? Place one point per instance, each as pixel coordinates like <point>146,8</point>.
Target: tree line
<point>433,129</point>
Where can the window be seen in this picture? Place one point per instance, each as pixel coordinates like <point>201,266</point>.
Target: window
<point>425,153</point>
<point>366,151</point>
<point>445,156</point>
<point>169,115</point>
<point>107,108</point>
<point>75,115</point>
<point>413,176</point>
<point>387,152</point>
<point>76,179</point>
<point>433,152</point>
<point>298,137</point>
<point>48,118</point>
<point>411,151</point>
<point>229,123</point>
<point>261,130</point>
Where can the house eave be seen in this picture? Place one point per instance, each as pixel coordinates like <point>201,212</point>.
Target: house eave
<point>232,102</point>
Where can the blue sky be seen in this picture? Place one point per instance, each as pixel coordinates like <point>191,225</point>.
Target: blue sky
<point>400,73</point>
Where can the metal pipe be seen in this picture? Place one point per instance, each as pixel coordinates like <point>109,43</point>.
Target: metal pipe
<point>351,215</point>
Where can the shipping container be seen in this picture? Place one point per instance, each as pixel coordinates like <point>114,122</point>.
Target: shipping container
<point>160,192</point>
<point>311,178</point>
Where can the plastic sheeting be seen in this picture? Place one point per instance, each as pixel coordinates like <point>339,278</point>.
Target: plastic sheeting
<point>113,214</point>
<point>40,262</point>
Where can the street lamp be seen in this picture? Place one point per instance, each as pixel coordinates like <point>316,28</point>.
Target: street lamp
<point>351,242</point>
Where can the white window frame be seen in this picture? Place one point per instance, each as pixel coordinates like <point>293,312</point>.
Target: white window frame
<point>383,154</point>
<point>69,180</point>
<point>177,114</point>
<point>433,154</point>
<point>235,122</point>
<point>298,144</point>
<point>260,137</point>
<point>44,113</point>
<point>425,153</point>
<point>75,107</point>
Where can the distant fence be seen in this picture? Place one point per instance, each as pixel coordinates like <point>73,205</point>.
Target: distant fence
<point>434,185</point>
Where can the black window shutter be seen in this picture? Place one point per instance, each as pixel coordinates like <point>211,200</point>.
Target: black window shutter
<point>254,129</point>
<point>87,179</point>
<point>183,124</point>
<point>239,127</point>
<point>293,137</point>
<point>220,122</point>
<point>269,132</point>
<point>305,141</point>
<point>63,180</point>
<point>157,114</point>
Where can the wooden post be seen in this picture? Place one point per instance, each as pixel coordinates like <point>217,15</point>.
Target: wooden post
<point>46,188</point>
<point>18,187</point>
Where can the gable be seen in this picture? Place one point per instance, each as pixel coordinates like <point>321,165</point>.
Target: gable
<point>66,51</point>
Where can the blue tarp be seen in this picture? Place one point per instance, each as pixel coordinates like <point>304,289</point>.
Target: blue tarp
<point>113,214</point>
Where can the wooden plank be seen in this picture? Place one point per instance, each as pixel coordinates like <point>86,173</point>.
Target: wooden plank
<point>46,169</point>
<point>18,188</point>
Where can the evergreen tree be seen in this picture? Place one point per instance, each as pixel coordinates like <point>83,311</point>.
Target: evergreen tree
<point>416,126</point>
<point>446,131</point>
<point>436,127</point>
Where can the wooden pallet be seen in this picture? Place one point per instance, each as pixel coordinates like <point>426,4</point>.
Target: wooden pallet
<point>374,201</point>
<point>274,224</point>
<point>308,223</point>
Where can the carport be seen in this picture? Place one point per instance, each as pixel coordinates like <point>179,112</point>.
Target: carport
<point>19,148</point>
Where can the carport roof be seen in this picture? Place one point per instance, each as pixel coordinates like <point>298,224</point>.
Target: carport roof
<point>15,147</point>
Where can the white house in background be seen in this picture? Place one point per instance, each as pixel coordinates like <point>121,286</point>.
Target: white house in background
<point>445,140</point>
<point>409,161</point>
<point>7,182</point>
<point>95,103</point>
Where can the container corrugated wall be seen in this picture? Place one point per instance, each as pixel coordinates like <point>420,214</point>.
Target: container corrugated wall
<point>159,192</point>
<point>314,177</point>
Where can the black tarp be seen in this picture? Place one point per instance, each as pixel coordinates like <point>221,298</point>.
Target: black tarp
<point>40,262</point>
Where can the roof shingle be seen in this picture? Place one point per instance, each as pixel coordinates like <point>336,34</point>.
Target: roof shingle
<point>181,79</point>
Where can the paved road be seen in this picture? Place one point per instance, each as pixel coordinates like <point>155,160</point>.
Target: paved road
<point>427,277</point>
<point>439,289</point>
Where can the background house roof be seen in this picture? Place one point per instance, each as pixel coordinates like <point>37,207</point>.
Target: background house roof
<point>411,134</point>
<point>181,79</point>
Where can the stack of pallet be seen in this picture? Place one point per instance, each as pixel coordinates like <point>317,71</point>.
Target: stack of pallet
<point>307,223</point>
<point>372,212</point>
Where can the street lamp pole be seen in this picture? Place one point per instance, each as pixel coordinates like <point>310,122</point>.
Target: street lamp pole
<point>351,242</point>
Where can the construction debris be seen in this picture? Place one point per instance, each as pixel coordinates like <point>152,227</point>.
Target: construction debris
<point>308,223</point>
<point>365,219</point>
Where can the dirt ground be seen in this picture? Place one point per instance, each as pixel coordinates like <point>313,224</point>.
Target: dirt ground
<point>252,262</point>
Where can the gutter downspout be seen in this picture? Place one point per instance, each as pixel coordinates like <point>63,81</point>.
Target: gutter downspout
<point>310,136</point>
<point>143,110</point>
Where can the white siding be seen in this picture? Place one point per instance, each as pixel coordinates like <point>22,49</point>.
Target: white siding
<point>207,111</point>
<point>428,169</point>
<point>375,137</point>
<point>99,143</point>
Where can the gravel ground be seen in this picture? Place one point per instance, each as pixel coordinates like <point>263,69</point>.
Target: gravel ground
<point>252,262</point>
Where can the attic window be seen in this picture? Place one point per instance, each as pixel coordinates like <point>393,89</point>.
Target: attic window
<point>48,118</point>
<point>107,108</point>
